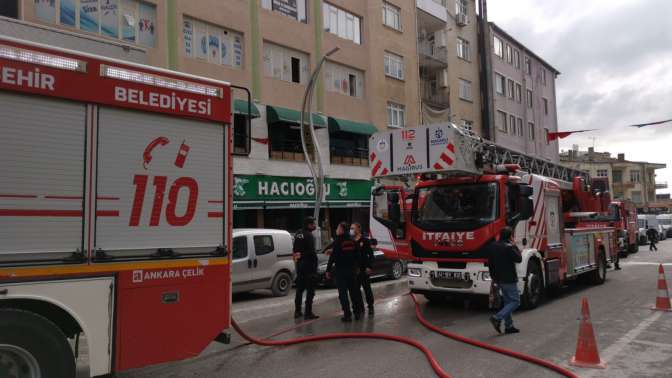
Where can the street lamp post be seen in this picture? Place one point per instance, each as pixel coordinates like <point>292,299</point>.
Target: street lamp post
<point>317,173</point>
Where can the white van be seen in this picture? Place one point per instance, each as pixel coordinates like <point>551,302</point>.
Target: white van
<point>262,259</point>
<point>646,221</point>
<point>665,220</point>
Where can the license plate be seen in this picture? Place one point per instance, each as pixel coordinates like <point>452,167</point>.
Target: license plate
<point>452,276</point>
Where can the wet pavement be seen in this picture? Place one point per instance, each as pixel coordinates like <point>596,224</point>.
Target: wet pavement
<point>634,341</point>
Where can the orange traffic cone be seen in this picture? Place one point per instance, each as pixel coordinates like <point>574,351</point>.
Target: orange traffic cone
<point>663,298</point>
<point>586,347</point>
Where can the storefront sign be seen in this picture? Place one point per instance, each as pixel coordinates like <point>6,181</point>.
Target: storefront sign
<point>299,191</point>
<point>286,7</point>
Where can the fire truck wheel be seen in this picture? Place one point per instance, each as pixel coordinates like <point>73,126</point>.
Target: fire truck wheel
<point>533,286</point>
<point>282,282</point>
<point>599,275</point>
<point>33,346</point>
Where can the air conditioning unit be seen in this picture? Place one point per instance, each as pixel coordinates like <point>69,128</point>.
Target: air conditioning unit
<point>443,78</point>
<point>440,38</point>
<point>462,19</point>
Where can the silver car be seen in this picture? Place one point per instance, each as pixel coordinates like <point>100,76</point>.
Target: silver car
<point>262,259</point>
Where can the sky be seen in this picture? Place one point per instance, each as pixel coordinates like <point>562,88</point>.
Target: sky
<point>615,63</point>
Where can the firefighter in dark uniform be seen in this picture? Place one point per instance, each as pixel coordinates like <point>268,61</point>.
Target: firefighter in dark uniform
<point>306,268</point>
<point>366,260</point>
<point>344,257</point>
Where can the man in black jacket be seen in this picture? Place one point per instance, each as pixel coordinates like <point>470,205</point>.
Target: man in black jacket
<point>652,234</point>
<point>365,265</point>
<point>502,258</point>
<point>306,268</point>
<point>344,257</point>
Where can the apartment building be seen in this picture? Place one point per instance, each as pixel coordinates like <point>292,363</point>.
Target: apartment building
<point>632,180</point>
<point>448,63</point>
<point>522,101</point>
<point>270,47</point>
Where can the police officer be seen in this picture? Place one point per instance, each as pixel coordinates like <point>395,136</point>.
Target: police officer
<point>344,257</point>
<point>365,264</point>
<point>306,268</point>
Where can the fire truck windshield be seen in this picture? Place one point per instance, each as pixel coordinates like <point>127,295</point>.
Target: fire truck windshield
<point>464,206</point>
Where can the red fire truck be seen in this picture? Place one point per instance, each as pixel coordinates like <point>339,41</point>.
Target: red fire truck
<point>115,212</point>
<point>443,195</point>
<point>624,217</point>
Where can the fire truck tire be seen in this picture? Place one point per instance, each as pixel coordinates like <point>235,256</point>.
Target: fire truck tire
<point>534,284</point>
<point>282,282</point>
<point>33,343</point>
<point>599,275</point>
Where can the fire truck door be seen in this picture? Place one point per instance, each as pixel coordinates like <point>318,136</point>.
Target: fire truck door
<point>387,217</point>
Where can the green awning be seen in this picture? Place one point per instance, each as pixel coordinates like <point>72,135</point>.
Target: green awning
<point>275,114</point>
<point>344,125</point>
<point>240,107</point>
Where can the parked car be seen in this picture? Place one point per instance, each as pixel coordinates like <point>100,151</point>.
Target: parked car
<point>646,221</point>
<point>382,267</point>
<point>665,220</point>
<point>262,259</point>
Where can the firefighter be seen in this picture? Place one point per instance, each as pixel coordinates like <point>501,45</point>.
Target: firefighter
<point>366,259</point>
<point>306,268</point>
<point>652,234</point>
<point>502,258</point>
<point>345,261</point>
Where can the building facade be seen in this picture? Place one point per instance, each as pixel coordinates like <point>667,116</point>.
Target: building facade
<point>448,63</point>
<point>632,180</point>
<point>270,47</point>
<point>522,98</point>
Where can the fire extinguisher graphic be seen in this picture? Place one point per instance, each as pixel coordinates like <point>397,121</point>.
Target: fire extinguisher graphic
<point>182,155</point>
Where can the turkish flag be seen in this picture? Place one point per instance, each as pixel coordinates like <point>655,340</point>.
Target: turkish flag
<point>563,134</point>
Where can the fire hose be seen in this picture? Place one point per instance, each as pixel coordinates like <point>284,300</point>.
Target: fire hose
<point>405,340</point>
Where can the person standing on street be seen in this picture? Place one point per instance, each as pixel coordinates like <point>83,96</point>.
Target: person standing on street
<point>345,261</point>
<point>365,264</point>
<point>652,234</point>
<point>502,258</point>
<point>306,268</point>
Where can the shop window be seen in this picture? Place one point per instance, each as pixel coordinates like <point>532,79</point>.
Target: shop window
<point>344,80</point>
<point>263,244</point>
<point>241,135</point>
<point>131,21</point>
<point>212,43</point>
<point>349,148</point>
<point>9,8</point>
<point>285,64</point>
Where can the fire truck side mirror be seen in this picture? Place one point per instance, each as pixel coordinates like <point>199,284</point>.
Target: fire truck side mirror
<point>526,208</point>
<point>525,190</point>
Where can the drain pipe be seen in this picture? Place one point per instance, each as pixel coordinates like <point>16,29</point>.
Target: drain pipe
<point>317,173</point>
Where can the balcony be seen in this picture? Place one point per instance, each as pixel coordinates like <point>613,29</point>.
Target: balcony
<point>435,97</point>
<point>661,185</point>
<point>432,15</point>
<point>432,57</point>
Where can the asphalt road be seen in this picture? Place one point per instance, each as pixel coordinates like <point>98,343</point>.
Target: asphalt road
<point>633,340</point>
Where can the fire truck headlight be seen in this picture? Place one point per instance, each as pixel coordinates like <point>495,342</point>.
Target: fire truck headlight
<point>414,272</point>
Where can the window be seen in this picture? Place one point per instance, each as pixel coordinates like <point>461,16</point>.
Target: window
<point>510,88</point>
<point>241,135</point>
<point>512,125</point>
<point>395,115</point>
<point>546,106</point>
<point>394,65</point>
<point>500,121</point>
<point>212,43</point>
<point>519,93</point>
<point>543,76</point>
<point>295,9</point>
<point>263,244</point>
<point>530,130</point>
<point>349,148</point>
<point>528,66</point>
<point>498,47</point>
<point>602,173</point>
<point>131,21</point>
<point>461,7</point>
<point>10,8</point>
<point>635,176</point>
<point>529,98</point>
<point>520,127</point>
<point>509,54</point>
<point>516,58</point>
<point>341,23</point>
<point>500,84</point>
<point>636,196</point>
<point>391,16</point>
<point>285,64</point>
<point>617,176</point>
<point>463,49</point>
<point>465,90</point>
<point>239,247</point>
<point>344,80</point>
